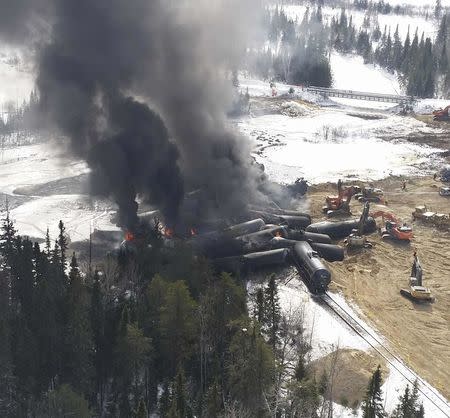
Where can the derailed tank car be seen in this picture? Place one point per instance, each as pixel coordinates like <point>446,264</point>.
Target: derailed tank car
<point>316,276</point>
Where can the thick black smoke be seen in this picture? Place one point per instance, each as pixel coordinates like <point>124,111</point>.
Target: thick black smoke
<point>175,56</point>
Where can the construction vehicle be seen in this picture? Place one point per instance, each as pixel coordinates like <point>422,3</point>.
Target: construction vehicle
<point>299,188</point>
<point>393,228</point>
<point>423,214</point>
<point>444,191</point>
<point>444,175</point>
<point>340,204</point>
<point>357,239</point>
<point>370,194</point>
<point>417,292</point>
<point>441,114</point>
<point>440,220</point>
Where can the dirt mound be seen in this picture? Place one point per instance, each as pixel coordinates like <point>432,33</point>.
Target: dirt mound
<point>349,372</point>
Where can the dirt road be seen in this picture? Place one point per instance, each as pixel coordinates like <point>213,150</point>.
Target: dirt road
<point>373,279</point>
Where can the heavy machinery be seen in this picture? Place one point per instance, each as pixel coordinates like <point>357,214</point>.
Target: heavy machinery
<point>423,214</point>
<point>370,194</point>
<point>357,239</point>
<point>417,292</point>
<point>445,175</point>
<point>299,188</point>
<point>444,191</point>
<point>340,204</point>
<point>393,228</point>
<point>441,114</point>
<point>440,220</point>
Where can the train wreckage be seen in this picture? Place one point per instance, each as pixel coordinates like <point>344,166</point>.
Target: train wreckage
<point>271,237</point>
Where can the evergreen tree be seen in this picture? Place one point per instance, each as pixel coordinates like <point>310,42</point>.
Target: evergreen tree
<point>97,323</point>
<point>7,239</point>
<point>405,56</point>
<point>179,406</point>
<point>63,244</point>
<point>64,402</point>
<point>373,401</point>
<point>78,343</point>
<point>408,406</point>
<point>260,306</point>
<point>178,325</point>
<point>438,9</point>
<point>273,312</point>
<point>397,51</point>
<point>141,412</point>
<point>250,368</point>
<point>48,244</point>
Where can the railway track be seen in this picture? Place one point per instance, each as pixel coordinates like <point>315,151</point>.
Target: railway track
<point>434,398</point>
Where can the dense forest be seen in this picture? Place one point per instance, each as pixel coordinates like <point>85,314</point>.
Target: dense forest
<point>298,52</point>
<point>153,331</point>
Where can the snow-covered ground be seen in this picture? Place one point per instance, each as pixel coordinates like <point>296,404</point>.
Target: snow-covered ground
<point>350,73</point>
<point>346,145</point>
<point>41,163</point>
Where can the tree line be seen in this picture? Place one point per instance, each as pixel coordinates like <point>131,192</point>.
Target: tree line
<point>299,51</point>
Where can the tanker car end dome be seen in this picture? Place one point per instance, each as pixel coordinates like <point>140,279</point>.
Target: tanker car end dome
<point>316,276</point>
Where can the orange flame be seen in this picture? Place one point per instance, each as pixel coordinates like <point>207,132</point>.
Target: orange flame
<point>129,236</point>
<point>168,232</point>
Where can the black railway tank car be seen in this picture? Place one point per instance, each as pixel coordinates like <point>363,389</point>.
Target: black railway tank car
<point>316,276</point>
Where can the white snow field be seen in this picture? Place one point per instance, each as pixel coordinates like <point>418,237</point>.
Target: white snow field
<point>345,145</point>
<point>41,163</point>
<point>350,73</point>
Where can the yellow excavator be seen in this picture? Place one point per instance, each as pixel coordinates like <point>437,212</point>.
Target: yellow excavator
<point>417,292</point>
<point>356,239</point>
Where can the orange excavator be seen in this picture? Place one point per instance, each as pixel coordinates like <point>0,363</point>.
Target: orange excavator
<point>340,204</point>
<point>393,228</point>
<point>441,114</point>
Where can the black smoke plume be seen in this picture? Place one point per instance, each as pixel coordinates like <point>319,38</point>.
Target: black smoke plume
<point>141,90</point>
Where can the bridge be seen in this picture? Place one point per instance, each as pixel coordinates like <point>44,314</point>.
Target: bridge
<point>360,95</point>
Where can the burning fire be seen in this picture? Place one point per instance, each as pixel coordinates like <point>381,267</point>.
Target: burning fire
<point>168,232</point>
<point>129,236</point>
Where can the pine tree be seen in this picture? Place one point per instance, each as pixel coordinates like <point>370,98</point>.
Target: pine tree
<point>179,406</point>
<point>78,334</point>
<point>438,9</point>
<point>132,354</point>
<point>178,325</point>
<point>405,56</point>
<point>251,366</point>
<point>7,238</point>
<point>48,244</point>
<point>63,244</point>
<point>141,412</point>
<point>260,307</point>
<point>397,51</point>
<point>97,323</point>
<point>273,314</point>
<point>373,401</point>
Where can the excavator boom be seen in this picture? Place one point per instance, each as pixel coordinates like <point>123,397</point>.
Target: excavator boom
<point>393,227</point>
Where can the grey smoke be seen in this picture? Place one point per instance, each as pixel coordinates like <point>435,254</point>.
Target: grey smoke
<point>141,90</point>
